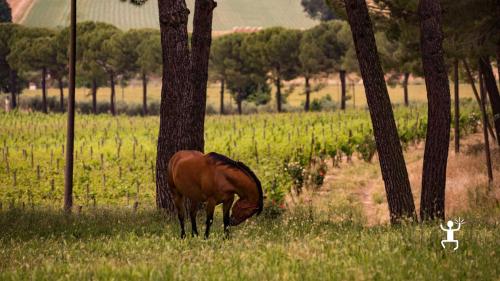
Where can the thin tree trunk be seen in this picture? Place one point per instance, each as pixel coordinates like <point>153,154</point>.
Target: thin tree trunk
<point>439,115</point>
<point>343,94</point>
<point>70,135</point>
<point>222,83</point>
<point>457,106</point>
<point>478,99</point>
<point>392,163</point>
<point>278,93</point>
<point>113,94</point>
<point>61,94</point>
<point>239,101</point>
<point>201,42</point>
<point>44,90</point>
<point>13,89</point>
<point>498,63</point>
<point>493,94</point>
<point>144,94</point>
<point>486,140</point>
<point>405,88</point>
<point>308,94</point>
<point>94,96</point>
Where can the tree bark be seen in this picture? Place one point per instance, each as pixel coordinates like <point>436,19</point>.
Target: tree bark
<point>392,163</point>
<point>113,93</point>
<point>144,94</point>
<point>44,90</point>
<point>222,83</point>
<point>70,134</point>
<point>13,89</point>
<point>343,95</point>
<point>457,106</point>
<point>493,94</point>
<point>201,42</point>
<point>94,96</point>
<point>239,102</point>
<point>183,96</point>
<point>405,88</point>
<point>438,115</point>
<point>308,94</point>
<point>278,93</point>
<point>486,140</point>
<point>61,93</point>
<point>478,99</point>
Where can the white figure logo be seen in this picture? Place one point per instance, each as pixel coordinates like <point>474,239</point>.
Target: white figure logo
<point>450,233</point>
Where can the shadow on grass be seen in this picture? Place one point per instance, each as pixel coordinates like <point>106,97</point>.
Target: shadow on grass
<point>38,223</point>
<point>20,224</point>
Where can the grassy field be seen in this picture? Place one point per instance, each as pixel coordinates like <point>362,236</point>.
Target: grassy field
<point>133,94</point>
<point>324,238</point>
<point>228,14</point>
<point>121,245</point>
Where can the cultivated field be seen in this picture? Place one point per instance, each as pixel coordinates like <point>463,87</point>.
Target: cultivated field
<point>322,232</point>
<point>228,14</point>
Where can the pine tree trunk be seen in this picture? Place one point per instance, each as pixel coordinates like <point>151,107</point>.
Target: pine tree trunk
<point>13,89</point>
<point>392,163</point>
<point>439,115</point>
<point>61,94</point>
<point>222,83</point>
<point>308,94</point>
<point>457,106</point>
<point>183,97</point>
<point>201,42</point>
<point>278,93</point>
<point>478,99</point>
<point>113,93</point>
<point>144,94</point>
<point>239,101</point>
<point>44,90</point>
<point>94,96</point>
<point>405,88</point>
<point>493,94</point>
<point>343,95</point>
<point>485,120</point>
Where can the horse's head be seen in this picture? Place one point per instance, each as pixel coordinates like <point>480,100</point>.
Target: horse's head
<point>242,210</point>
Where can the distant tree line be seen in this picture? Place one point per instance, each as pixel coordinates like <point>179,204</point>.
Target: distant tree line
<point>247,65</point>
<point>106,56</point>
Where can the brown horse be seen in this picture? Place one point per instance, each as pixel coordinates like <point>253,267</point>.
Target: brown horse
<point>214,179</point>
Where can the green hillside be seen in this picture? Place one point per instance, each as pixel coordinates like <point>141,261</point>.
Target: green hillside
<point>228,14</point>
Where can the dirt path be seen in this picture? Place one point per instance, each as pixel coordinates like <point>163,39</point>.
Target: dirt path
<point>20,9</point>
<point>465,172</point>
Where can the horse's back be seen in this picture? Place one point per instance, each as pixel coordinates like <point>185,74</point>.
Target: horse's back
<point>187,171</point>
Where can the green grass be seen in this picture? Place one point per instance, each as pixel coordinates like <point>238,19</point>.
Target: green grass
<point>118,244</point>
<point>324,240</point>
<point>228,14</point>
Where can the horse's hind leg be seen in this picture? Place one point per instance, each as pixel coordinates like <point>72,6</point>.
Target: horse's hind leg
<point>226,207</point>
<point>179,204</point>
<point>193,209</point>
<point>210,216</point>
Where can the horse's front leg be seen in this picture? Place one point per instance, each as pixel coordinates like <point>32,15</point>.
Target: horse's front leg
<point>193,209</point>
<point>179,204</point>
<point>226,207</point>
<point>210,216</point>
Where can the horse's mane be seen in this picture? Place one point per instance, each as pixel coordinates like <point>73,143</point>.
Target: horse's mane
<point>244,168</point>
